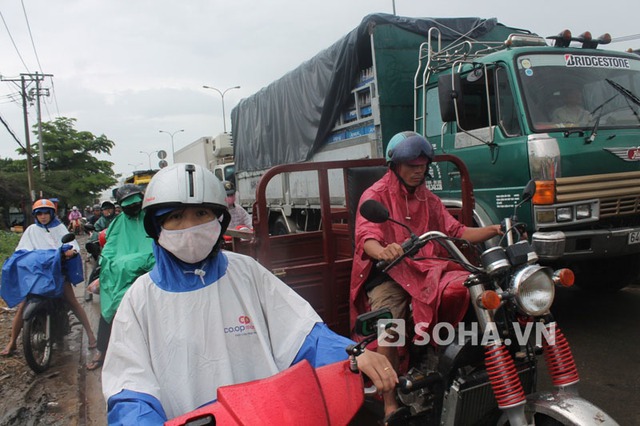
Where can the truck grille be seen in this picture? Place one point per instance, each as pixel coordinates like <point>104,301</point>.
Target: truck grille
<point>619,193</point>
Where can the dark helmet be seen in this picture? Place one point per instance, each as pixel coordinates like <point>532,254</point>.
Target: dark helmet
<point>127,190</point>
<point>229,187</point>
<point>95,207</point>
<point>107,205</point>
<point>405,147</point>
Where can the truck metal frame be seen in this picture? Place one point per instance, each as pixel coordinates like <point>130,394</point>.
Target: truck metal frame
<point>317,264</point>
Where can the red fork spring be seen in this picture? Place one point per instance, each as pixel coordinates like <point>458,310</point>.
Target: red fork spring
<point>560,363</point>
<point>503,376</point>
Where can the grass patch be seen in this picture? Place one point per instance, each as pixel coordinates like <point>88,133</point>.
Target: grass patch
<point>8,244</point>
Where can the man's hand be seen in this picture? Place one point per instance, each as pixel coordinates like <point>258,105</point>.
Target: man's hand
<point>378,368</point>
<point>389,253</point>
<point>70,253</point>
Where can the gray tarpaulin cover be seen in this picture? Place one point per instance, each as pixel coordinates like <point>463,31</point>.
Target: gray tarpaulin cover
<point>287,121</point>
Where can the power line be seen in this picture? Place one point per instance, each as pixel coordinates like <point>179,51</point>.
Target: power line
<point>11,132</point>
<point>13,42</point>
<point>35,52</point>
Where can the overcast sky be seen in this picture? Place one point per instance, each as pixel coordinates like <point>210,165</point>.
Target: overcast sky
<point>129,68</point>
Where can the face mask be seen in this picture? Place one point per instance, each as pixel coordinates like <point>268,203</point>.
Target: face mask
<point>193,244</point>
<point>132,209</point>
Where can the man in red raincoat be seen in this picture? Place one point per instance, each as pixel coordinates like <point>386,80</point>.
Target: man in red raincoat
<point>433,285</point>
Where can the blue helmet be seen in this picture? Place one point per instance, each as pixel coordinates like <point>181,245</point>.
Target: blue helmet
<point>408,146</point>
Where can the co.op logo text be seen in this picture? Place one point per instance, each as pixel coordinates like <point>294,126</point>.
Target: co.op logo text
<point>244,326</point>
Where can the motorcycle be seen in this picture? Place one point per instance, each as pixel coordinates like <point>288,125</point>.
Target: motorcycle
<point>46,313</point>
<point>300,395</point>
<point>484,372</point>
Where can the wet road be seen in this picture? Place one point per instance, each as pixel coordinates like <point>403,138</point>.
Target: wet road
<point>602,331</point>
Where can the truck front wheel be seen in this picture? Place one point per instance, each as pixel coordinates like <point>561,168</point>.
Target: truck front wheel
<point>608,275</point>
<point>279,226</point>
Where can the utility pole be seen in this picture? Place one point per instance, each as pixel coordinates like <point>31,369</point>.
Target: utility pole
<point>27,139</point>
<point>24,80</point>
<point>39,114</point>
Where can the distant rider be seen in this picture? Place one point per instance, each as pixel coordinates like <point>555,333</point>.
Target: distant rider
<point>47,233</point>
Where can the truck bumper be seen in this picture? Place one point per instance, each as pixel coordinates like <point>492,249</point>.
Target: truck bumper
<point>590,244</point>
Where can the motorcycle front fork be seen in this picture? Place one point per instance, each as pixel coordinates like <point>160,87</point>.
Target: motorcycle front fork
<point>502,372</point>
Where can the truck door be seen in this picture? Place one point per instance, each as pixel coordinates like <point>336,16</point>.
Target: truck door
<point>487,136</point>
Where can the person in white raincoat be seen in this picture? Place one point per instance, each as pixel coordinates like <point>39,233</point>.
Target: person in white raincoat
<point>46,233</point>
<point>205,318</point>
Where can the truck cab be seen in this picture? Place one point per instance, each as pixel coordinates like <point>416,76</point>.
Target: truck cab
<point>565,116</point>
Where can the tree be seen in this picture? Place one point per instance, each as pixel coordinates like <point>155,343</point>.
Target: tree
<point>73,174</point>
<point>14,189</point>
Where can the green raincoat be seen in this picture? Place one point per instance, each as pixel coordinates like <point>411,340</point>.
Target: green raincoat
<point>127,254</point>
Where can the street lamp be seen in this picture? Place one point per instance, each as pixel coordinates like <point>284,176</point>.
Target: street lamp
<point>135,166</point>
<point>148,156</point>
<point>224,121</point>
<point>173,151</point>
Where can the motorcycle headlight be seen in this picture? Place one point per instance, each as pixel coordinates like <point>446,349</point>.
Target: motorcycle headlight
<point>534,290</point>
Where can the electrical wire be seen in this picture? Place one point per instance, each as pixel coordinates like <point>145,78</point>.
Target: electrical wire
<point>11,132</point>
<point>13,42</point>
<point>35,52</point>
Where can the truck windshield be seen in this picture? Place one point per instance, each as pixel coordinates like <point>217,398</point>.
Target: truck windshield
<point>567,90</point>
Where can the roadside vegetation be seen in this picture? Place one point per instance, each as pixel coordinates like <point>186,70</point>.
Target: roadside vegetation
<point>8,243</point>
<point>70,172</point>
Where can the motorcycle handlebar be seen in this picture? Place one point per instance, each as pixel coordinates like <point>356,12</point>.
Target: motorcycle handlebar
<point>412,245</point>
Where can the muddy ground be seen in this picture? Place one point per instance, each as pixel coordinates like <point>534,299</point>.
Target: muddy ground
<point>66,394</point>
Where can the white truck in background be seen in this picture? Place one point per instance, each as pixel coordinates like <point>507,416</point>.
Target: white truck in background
<point>216,154</point>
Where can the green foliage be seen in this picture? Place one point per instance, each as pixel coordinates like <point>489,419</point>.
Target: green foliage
<point>8,244</point>
<point>72,172</point>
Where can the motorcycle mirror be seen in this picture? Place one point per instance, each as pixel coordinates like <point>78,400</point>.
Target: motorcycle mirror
<point>374,212</point>
<point>367,323</point>
<point>529,191</point>
<point>68,238</point>
<point>527,194</point>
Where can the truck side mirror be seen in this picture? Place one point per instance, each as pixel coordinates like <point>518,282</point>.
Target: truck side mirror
<point>449,94</point>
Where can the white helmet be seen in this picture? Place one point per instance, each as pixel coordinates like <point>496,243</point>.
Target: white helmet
<point>183,184</point>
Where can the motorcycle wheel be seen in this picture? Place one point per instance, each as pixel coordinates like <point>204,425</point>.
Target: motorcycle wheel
<point>37,347</point>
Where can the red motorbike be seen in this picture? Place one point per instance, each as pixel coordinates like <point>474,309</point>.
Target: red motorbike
<point>300,395</point>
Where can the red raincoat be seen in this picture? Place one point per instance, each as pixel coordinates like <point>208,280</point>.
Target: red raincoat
<point>425,280</point>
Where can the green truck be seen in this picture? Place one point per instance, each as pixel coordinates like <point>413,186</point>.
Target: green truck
<point>480,91</point>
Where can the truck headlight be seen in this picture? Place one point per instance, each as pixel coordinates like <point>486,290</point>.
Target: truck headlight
<point>564,214</point>
<point>583,211</point>
<point>534,290</point>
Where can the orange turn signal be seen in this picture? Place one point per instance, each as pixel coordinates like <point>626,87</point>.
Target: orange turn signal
<point>489,299</point>
<point>564,277</point>
<point>545,192</point>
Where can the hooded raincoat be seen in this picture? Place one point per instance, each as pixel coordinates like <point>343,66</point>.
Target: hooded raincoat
<point>127,254</point>
<point>424,279</point>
